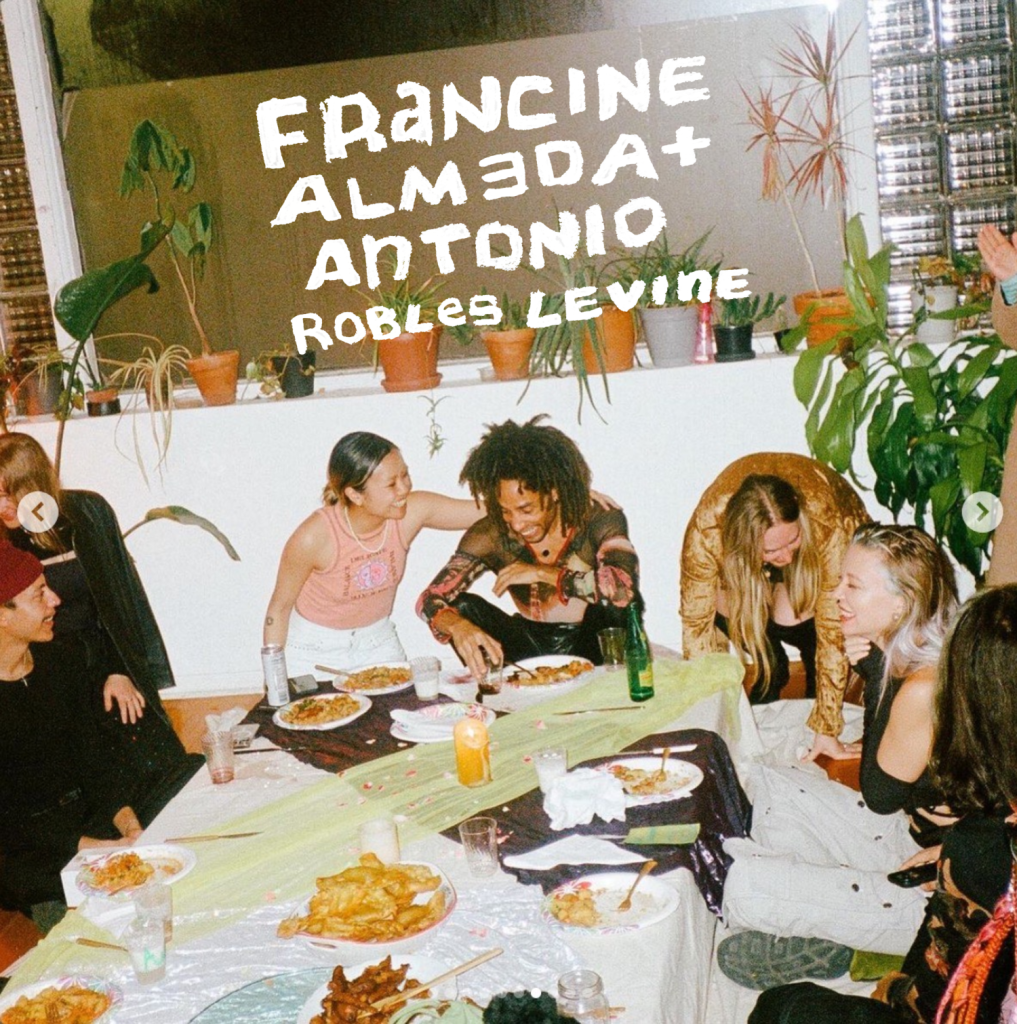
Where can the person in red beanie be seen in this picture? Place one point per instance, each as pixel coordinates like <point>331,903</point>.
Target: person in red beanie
<point>59,791</point>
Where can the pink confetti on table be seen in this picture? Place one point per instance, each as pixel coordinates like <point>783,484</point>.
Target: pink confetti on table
<point>481,933</point>
<point>527,759</point>
<point>368,785</point>
<point>540,724</point>
<point>411,772</point>
<point>270,897</point>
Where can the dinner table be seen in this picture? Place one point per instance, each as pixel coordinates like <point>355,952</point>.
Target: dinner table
<point>295,806</point>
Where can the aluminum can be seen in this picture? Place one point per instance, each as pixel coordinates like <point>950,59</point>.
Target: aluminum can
<point>273,663</point>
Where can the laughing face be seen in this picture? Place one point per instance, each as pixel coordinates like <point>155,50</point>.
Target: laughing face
<point>780,544</point>
<point>31,618</point>
<point>867,604</point>
<point>387,488</point>
<point>530,516</point>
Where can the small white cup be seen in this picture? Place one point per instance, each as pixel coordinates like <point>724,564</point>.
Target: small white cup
<point>380,837</point>
<point>426,677</point>
<point>551,763</point>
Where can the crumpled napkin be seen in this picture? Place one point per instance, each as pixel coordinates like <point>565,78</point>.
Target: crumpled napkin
<point>574,798</point>
<point>225,721</point>
<point>572,850</point>
<point>421,726</point>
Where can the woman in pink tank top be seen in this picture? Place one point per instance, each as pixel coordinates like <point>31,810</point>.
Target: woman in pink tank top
<point>339,571</point>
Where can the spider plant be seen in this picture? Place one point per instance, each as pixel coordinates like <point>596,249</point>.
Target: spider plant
<point>801,132</point>
<point>154,374</point>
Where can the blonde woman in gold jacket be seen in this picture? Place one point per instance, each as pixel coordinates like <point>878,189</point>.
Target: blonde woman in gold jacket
<point>1000,256</point>
<point>806,547</point>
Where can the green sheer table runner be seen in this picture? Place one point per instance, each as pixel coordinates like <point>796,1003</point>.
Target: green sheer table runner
<point>310,833</point>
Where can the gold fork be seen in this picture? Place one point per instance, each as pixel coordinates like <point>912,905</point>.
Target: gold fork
<point>626,904</point>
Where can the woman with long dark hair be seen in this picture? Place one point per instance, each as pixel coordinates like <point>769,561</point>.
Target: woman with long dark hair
<point>961,962</point>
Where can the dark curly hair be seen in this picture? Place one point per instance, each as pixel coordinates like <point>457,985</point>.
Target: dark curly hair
<point>523,1008</point>
<point>540,457</point>
<point>974,748</point>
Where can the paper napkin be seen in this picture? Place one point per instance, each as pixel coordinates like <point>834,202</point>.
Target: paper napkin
<point>576,797</point>
<point>572,850</point>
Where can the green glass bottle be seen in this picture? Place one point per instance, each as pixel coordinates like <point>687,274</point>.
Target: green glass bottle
<point>638,658</point>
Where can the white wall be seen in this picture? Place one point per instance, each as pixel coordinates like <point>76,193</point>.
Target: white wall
<point>256,469</point>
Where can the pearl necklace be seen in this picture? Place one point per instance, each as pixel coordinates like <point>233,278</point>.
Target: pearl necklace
<point>360,543</point>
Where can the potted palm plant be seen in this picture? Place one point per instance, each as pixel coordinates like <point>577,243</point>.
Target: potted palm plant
<point>669,322</point>
<point>801,135</point>
<point>733,323</point>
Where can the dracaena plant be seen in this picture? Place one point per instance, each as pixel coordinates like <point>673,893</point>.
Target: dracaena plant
<point>800,131</point>
<point>934,425</point>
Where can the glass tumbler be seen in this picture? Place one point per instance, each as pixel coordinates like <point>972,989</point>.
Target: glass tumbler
<point>581,997</point>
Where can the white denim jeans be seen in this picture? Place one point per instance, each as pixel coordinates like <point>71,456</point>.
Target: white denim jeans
<point>308,645</point>
<point>816,865</point>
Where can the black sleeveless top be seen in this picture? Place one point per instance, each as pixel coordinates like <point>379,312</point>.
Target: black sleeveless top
<point>884,793</point>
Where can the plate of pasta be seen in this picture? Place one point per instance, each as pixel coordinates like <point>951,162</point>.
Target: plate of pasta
<point>120,873</point>
<point>323,711</point>
<point>389,677</point>
<point>70,1000</point>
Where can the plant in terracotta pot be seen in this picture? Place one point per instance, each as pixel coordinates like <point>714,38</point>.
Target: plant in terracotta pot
<point>733,323</point>
<point>153,152</point>
<point>410,360</point>
<point>510,343</point>
<point>804,149</point>
<point>668,321</point>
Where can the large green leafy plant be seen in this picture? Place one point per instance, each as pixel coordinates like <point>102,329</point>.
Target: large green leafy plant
<point>934,424</point>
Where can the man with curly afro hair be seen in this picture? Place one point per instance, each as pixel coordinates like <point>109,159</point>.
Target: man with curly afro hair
<point>566,563</point>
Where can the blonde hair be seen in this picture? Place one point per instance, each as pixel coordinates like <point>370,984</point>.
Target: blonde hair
<point>25,467</point>
<point>919,573</point>
<point>762,502</point>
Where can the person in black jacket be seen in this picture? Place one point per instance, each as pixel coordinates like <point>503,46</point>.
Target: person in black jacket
<point>103,604</point>
<point>59,787</point>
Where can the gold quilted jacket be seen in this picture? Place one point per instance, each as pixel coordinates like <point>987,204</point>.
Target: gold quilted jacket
<point>1003,567</point>
<point>834,510</point>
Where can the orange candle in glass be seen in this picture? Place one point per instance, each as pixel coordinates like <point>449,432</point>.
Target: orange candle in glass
<point>473,755</point>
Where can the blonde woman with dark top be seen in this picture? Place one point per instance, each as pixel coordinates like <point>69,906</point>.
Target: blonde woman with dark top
<point>760,562</point>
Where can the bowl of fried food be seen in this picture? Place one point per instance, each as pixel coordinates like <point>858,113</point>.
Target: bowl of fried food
<point>68,1000</point>
<point>322,711</point>
<point>374,908</point>
<point>353,993</point>
<point>390,677</point>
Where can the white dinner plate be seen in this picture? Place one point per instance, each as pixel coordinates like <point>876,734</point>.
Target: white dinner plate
<point>434,724</point>
<point>686,777</point>
<point>512,675</point>
<point>651,902</point>
<point>342,681</point>
<point>421,969</point>
<point>9,997</point>
<point>359,952</point>
<point>363,702</point>
<point>171,863</point>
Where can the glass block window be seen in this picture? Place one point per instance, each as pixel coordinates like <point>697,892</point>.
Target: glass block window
<point>26,319</point>
<point>945,114</point>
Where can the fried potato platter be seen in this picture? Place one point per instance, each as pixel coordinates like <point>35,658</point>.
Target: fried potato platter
<point>374,903</point>
<point>71,1001</point>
